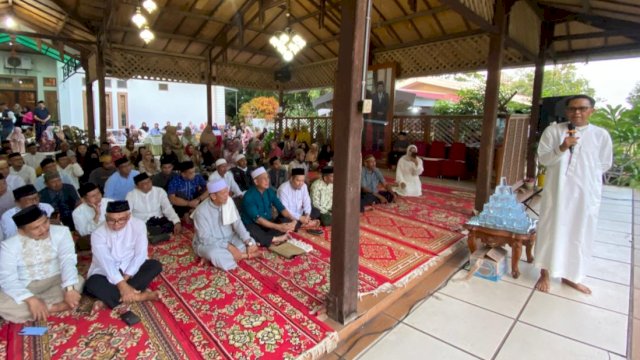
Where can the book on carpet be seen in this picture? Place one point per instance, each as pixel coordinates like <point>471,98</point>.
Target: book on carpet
<point>291,248</point>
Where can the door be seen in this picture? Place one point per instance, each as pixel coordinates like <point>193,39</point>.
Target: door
<point>51,101</point>
<point>109,111</point>
<point>123,115</point>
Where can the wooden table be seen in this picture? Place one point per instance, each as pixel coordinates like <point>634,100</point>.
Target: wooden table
<point>495,238</point>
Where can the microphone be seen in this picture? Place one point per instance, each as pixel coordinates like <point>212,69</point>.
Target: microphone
<point>572,131</point>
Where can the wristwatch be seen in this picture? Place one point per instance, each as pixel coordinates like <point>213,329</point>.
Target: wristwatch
<point>69,288</point>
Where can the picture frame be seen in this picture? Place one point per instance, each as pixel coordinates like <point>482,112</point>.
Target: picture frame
<point>380,85</point>
<point>49,81</point>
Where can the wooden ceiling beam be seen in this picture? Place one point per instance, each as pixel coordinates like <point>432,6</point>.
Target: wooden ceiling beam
<point>242,10</point>
<point>595,35</point>
<point>156,52</point>
<point>431,40</point>
<point>466,13</point>
<point>632,49</point>
<point>428,12</point>
<point>404,12</point>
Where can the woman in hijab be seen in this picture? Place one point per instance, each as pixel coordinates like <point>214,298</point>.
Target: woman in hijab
<point>149,164</point>
<point>408,173</point>
<point>17,140</point>
<point>188,138</point>
<point>47,140</point>
<point>172,140</point>
<point>115,152</point>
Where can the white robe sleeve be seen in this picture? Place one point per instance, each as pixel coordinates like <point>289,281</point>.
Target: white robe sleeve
<point>606,155</point>
<point>83,220</point>
<point>206,225</point>
<point>67,257</point>
<point>103,259</point>
<point>549,148</point>
<point>9,281</point>
<point>140,250</point>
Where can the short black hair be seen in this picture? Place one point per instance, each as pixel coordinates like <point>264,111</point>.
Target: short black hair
<point>273,159</point>
<point>569,99</point>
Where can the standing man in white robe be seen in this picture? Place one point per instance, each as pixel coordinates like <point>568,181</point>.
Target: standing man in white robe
<point>575,165</point>
<point>408,173</point>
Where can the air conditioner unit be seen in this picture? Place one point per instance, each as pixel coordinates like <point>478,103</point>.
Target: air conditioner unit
<point>18,63</point>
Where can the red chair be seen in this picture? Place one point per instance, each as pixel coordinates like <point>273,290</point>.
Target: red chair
<point>455,165</point>
<point>433,163</point>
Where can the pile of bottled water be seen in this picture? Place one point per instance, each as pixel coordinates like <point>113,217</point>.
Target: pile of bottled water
<point>504,212</point>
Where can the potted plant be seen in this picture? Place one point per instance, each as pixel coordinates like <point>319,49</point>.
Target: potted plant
<point>529,183</point>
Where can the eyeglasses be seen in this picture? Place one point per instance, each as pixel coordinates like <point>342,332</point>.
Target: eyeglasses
<point>117,221</point>
<point>576,109</point>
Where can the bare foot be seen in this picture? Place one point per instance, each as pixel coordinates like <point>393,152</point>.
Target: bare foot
<point>277,240</point>
<point>580,287</point>
<point>148,296</point>
<point>58,307</point>
<point>97,306</point>
<point>543,281</point>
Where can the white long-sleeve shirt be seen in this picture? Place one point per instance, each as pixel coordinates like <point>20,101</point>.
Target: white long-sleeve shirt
<point>14,182</point>
<point>228,178</point>
<point>83,217</point>
<point>33,160</point>
<point>23,260</point>
<point>124,250</point>
<point>9,227</point>
<point>27,173</point>
<point>74,171</point>
<point>297,202</point>
<point>155,203</point>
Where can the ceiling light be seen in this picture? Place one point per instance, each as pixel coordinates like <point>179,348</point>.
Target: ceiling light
<point>9,22</point>
<point>138,18</point>
<point>146,34</point>
<point>287,43</point>
<point>150,5</point>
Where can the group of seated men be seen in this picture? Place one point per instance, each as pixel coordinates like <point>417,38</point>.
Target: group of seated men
<point>38,274</point>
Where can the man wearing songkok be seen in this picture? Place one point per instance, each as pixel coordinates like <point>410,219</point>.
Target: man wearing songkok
<point>220,236</point>
<point>89,215</point>
<point>48,165</point>
<point>63,197</point>
<point>242,173</point>
<point>121,182</point>
<point>6,197</point>
<point>151,205</point>
<point>408,173</point>
<point>33,158</point>
<point>277,175</point>
<point>371,178</point>
<point>120,271</point>
<point>222,173</point>
<point>18,167</point>
<point>322,195</point>
<point>294,195</point>
<point>165,175</point>
<point>576,155</point>
<point>38,273</point>
<point>24,196</point>
<point>13,181</point>
<point>100,175</point>
<point>187,190</point>
<point>72,169</point>
<point>257,215</point>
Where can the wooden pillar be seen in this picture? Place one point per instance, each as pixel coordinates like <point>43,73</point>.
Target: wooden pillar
<point>343,294</point>
<point>102,95</point>
<point>546,35</point>
<point>91,115</point>
<point>209,95</point>
<point>496,50</point>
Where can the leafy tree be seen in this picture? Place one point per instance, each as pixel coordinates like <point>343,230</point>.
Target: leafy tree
<point>559,80</point>
<point>262,107</point>
<point>634,95</point>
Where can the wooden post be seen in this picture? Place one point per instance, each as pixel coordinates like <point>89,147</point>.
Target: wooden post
<point>91,116</point>
<point>546,35</point>
<point>209,95</point>
<point>496,50</point>
<point>426,135</point>
<point>343,294</point>
<point>102,94</point>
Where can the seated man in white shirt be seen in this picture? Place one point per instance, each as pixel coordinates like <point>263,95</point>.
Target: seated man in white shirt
<point>13,181</point>
<point>120,270</point>
<point>151,204</point>
<point>295,197</point>
<point>220,236</point>
<point>68,166</point>
<point>32,157</point>
<point>18,167</point>
<point>222,173</point>
<point>38,273</point>
<point>24,196</point>
<point>89,215</point>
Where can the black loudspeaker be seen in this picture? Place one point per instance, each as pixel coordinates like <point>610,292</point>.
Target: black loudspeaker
<point>552,109</point>
<point>283,75</point>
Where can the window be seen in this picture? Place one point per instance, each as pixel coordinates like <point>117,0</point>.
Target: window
<point>163,87</point>
<point>122,84</point>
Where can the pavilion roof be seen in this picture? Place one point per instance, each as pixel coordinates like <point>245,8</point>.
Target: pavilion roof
<point>425,37</point>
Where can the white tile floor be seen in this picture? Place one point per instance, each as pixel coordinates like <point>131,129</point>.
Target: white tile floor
<point>510,320</point>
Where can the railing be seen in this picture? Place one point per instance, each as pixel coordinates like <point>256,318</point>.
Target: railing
<point>319,126</point>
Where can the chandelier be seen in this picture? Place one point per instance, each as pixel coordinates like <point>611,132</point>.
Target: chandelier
<point>150,6</point>
<point>141,21</point>
<point>287,43</point>
<point>138,18</point>
<point>146,35</point>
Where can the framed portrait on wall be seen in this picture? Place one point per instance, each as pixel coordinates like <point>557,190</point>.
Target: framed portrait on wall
<point>380,84</point>
<point>49,81</point>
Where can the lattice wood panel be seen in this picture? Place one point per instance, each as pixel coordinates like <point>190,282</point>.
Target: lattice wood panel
<point>524,26</point>
<point>513,163</point>
<point>484,8</point>
<point>457,55</point>
<point>243,76</point>
<point>127,65</point>
<point>466,129</point>
<point>312,76</point>
<point>319,127</point>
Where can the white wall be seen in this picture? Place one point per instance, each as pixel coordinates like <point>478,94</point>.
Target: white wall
<point>181,103</point>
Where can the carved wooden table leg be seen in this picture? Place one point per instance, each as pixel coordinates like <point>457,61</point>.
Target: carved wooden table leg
<point>471,241</point>
<point>529,245</point>
<point>516,252</point>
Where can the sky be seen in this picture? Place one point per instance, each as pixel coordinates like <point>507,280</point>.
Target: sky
<point>612,79</point>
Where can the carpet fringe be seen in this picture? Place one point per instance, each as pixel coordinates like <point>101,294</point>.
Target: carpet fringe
<point>384,288</point>
<point>326,346</point>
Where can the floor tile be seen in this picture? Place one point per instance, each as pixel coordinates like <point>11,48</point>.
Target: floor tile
<point>526,342</point>
<point>615,226</point>
<point>502,297</point>
<point>610,270</point>
<point>613,356</point>
<point>362,338</point>
<point>529,275</point>
<point>612,252</point>
<point>636,304</point>
<point>605,294</point>
<point>615,238</point>
<point>462,325</point>
<point>405,342</point>
<point>625,217</point>
<point>600,328</point>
